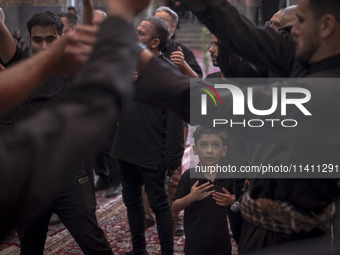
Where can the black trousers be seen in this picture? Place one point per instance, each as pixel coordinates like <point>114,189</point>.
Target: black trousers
<point>132,179</point>
<point>75,206</point>
<point>106,167</point>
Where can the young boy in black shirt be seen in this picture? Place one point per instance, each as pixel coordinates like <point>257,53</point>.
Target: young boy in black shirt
<point>204,199</point>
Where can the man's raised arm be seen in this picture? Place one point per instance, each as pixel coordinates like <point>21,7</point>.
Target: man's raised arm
<point>7,44</point>
<point>260,46</point>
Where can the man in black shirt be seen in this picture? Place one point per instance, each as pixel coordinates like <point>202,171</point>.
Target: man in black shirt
<point>175,51</point>
<point>148,142</point>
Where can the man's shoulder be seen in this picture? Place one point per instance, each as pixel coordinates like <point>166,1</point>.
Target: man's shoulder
<point>164,59</point>
<point>173,45</point>
<point>214,75</point>
<point>185,48</point>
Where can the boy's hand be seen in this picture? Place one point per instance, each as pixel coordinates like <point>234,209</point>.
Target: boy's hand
<point>225,198</point>
<point>200,192</point>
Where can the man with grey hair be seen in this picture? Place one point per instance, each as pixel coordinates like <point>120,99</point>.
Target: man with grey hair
<point>178,53</point>
<point>288,18</point>
<point>98,17</point>
<point>274,21</point>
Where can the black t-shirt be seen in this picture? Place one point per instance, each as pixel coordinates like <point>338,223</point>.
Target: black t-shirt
<point>205,222</point>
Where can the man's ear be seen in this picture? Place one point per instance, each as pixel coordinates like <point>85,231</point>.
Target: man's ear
<point>195,149</point>
<point>155,43</point>
<point>328,25</point>
<point>172,28</point>
<point>224,150</point>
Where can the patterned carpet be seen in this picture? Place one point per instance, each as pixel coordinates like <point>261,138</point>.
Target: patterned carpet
<point>111,215</point>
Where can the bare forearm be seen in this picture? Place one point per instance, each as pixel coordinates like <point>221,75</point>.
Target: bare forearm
<point>87,12</point>
<point>186,69</point>
<point>180,204</point>
<point>7,44</point>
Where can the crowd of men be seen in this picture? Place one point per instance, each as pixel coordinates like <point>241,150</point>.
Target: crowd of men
<point>61,105</point>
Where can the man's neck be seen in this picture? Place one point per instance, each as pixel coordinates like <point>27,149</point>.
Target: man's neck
<point>156,52</point>
<point>222,75</point>
<point>328,50</point>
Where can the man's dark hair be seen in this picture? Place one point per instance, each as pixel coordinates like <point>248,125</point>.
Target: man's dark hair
<point>202,130</point>
<point>71,19</point>
<point>72,8</point>
<point>161,30</point>
<point>44,19</point>
<point>323,7</point>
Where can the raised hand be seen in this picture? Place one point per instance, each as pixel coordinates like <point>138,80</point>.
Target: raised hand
<point>2,15</point>
<point>225,198</point>
<point>73,50</point>
<point>87,12</point>
<point>177,57</point>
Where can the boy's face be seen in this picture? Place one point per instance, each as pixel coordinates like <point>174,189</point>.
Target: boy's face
<point>209,149</point>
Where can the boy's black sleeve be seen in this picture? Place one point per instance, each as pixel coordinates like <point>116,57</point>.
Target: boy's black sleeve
<point>231,186</point>
<point>183,187</point>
